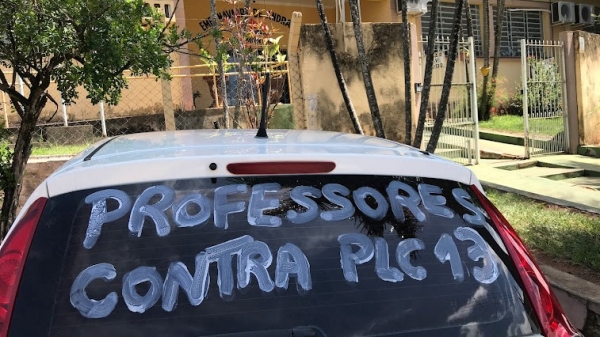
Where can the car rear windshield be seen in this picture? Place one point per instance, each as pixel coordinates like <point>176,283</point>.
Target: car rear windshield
<point>325,255</point>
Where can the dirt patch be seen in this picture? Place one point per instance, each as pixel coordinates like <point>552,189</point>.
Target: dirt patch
<point>35,173</point>
<point>568,267</point>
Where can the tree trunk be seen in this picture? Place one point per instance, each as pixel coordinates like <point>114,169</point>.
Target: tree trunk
<point>21,153</point>
<point>428,73</point>
<point>497,40</point>
<point>221,69</point>
<point>441,114</point>
<point>484,101</point>
<point>466,60</point>
<point>469,18</point>
<point>337,70</point>
<point>366,70</point>
<point>241,60</point>
<point>407,79</point>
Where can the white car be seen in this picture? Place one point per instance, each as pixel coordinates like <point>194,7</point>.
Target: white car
<point>303,233</point>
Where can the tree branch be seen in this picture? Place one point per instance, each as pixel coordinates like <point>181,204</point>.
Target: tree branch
<point>27,77</point>
<point>122,69</point>
<point>175,47</point>
<point>170,19</point>
<point>10,89</point>
<point>55,103</point>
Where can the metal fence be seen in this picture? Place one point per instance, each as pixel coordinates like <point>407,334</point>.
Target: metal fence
<point>192,99</point>
<point>459,140</point>
<point>544,97</point>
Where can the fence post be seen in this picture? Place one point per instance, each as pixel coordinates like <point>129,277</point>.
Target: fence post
<point>524,77</point>
<point>5,109</point>
<point>565,97</point>
<point>570,79</point>
<point>102,119</point>
<point>168,110</point>
<point>294,74</point>
<point>21,89</point>
<point>64,113</point>
<point>474,111</point>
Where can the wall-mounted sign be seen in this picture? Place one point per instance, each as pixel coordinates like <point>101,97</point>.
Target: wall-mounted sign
<point>231,13</point>
<point>439,59</point>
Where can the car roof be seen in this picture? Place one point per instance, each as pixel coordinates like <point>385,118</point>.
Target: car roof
<point>170,155</point>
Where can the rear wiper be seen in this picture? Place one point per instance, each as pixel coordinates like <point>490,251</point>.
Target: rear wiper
<point>299,331</point>
<point>308,331</point>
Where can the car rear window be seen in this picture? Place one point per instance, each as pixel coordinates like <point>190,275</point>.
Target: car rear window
<point>275,256</point>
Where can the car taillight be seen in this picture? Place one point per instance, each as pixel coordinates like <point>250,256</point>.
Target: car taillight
<point>552,318</point>
<point>13,254</point>
<point>283,167</point>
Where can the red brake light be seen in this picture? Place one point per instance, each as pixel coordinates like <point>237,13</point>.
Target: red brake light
<point>13,254</point>
<point>552,318</point>
<point>282,167</point>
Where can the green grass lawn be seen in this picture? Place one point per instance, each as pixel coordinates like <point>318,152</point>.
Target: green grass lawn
<point>57,150</point>
<point>514,124</point>
<point>555,231</point>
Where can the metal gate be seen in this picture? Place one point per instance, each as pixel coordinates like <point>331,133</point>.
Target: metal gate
<point>544,97</point>
<point>459,140</point>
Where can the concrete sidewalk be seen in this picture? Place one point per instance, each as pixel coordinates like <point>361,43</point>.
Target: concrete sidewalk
<point>566,180</point>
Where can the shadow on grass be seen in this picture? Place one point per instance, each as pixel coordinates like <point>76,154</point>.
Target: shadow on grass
<point>579,246</point>
<point>556,231</point>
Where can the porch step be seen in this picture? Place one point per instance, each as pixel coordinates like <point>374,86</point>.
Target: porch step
<point>451,146</point>
<point>449,153</point>
<point>553,173</point>
<point>455,146</point>
<point>487,149</point>
<point>586,182</point>
<point>495,150</point>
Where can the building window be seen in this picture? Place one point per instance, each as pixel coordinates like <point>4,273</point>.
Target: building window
<point>518,25</point>
<point>593,29</point>
<point>445,19</point>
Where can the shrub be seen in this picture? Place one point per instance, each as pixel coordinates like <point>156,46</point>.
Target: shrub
<point>6,155</point>
<point>544,90</point>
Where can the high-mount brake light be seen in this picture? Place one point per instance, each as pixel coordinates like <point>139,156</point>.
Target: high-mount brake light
<point>552,318</point>
<point>281,167</point>
<point>12,259</point>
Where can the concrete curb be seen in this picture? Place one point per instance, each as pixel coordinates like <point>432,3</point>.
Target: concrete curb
<point>540,197</point>
<point>41,159</point>
<point>485,154</point>
<point>501,137</point>
<point>580,299</point>
<point>590,151</point>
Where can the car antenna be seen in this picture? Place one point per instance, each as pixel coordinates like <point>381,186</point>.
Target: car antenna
<point>262,129</point>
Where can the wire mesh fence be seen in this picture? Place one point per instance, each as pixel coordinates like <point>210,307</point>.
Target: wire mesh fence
<point>191,99</point>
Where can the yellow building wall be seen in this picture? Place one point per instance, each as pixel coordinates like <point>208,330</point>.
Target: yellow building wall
<point>587,54</point>
<point>377,11</point>
<point>323,102</point>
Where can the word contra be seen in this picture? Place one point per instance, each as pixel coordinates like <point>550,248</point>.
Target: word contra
<point>253,257</point>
